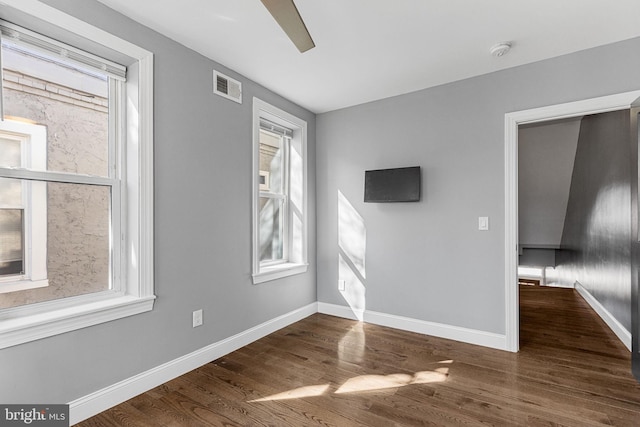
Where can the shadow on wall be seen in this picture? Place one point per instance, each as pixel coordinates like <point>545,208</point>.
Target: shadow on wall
<point>352,247</point>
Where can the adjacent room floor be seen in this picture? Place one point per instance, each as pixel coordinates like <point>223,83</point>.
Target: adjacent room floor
<point>328,371</point>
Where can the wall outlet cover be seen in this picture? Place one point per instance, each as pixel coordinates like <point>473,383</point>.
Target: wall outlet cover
<point>197,318</point>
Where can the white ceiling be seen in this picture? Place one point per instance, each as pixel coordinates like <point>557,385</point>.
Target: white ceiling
<point>372,49</point>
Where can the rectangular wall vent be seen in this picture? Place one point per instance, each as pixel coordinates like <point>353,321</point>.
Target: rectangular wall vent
<point>227,87</point>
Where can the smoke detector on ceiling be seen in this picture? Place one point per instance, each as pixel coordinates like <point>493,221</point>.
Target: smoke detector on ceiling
<point>500,49</point>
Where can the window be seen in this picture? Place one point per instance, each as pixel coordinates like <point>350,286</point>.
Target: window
<point>23,209</point>
<point>76,242</point>
<point>279,193</point>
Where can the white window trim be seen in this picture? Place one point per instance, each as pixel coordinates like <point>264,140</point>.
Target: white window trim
<point>23,324</point>
<point>267,272</point>
<point>33,140</point>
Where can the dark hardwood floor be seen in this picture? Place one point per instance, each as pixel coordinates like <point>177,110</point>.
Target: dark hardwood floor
<point>327,371</point>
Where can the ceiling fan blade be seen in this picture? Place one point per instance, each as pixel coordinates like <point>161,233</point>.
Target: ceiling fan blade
<point>287,16</point>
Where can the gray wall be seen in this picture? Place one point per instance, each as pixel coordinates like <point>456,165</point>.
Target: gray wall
<point>545,162</point>
<point>427,260</point>
<point>596,242</point>
<point>202,234</point>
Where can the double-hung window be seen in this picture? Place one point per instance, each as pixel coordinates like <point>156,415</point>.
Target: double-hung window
<point>279,190</point>
<point>75,176</point>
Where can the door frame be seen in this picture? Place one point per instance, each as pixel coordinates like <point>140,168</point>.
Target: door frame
<point>512,120</point>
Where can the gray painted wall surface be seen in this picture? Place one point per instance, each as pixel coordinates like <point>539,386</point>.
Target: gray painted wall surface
<point>596,242</point>
<point>427,260</point>
<point>545,162</point>
<point>202,234</point>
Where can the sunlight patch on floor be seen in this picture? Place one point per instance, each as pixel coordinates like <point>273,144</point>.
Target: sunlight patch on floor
<point>297,393</point>
<point>365,384</point>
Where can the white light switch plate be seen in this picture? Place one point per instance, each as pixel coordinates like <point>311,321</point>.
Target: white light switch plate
<point>483,223</point>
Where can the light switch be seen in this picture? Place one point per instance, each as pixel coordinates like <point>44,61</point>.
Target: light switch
<point>483,223</point>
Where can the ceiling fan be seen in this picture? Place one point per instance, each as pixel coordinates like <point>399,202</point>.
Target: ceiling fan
<point>287,16</point>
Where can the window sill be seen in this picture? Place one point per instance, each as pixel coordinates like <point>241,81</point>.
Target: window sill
<point>278,271</point>
<point>22,285</point>
<point>18,329</point>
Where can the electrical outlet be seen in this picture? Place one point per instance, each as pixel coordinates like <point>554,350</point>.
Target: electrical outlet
<point>341,285</point>
<point>197,318</point>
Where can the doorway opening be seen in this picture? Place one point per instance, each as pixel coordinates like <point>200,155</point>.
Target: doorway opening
<point>512,123</point>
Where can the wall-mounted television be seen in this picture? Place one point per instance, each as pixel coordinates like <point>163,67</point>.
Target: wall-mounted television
<point>392,185</point>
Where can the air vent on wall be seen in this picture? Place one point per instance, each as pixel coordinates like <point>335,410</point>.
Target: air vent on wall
<point>227,87</point>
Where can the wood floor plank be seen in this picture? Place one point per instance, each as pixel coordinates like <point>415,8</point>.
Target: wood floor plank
<point>326,371</point>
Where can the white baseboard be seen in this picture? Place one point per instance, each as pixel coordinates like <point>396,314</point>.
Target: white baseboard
<point>101,400</point>
<point>471,336</point>
<point>340,311</point>
<point>617,328</point>
<point>559,285</point>
<point>456,333</point>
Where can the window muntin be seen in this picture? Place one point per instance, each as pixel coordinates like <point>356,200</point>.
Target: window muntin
<point>279,176</point>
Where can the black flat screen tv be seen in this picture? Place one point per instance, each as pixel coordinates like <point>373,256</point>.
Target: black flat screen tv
<point>392,185</point>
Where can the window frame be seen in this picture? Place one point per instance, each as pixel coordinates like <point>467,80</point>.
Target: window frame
<point>134,266</point>
<point>33,143</point>
<point>295,244</point>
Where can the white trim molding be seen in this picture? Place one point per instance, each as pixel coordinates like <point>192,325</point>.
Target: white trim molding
<point>616,327</point>
<point>16,330</point>
<point>456,333</point>
<point>340,311</point>
<point>512,121</point>
<point>101,400</point>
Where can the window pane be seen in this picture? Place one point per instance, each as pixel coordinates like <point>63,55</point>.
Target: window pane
<point>271,162</point>
<point>10,193</point>
<point>10,155</point>
<point>77,243</point>
<point>72,103</point>
<point>11,254</point>
<point>271,229</point>
<point>78,237</point>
